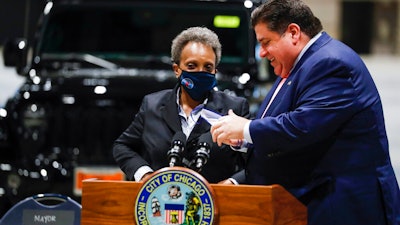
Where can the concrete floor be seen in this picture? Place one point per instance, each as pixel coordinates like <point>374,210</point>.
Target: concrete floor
<point>386,73</point>
<point>384,69</point>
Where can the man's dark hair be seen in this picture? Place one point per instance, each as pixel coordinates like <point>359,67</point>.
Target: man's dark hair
<point>278,14</point>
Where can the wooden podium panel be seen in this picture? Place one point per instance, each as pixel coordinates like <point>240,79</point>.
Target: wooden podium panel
<point>113,203</point>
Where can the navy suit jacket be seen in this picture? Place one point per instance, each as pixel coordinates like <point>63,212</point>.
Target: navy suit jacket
<point>148,138</point>
<point>323,139</point>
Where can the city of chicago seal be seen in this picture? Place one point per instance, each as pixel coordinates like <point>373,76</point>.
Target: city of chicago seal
<point>175,195</point>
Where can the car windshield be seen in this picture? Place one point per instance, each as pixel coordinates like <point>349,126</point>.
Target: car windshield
<point>138,35</point>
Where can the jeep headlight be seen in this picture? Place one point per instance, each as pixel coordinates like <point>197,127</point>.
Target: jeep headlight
<point>3,113</point>
<point>3,128</point>
<point>34,120</point>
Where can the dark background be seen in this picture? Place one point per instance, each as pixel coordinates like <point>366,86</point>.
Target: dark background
<point>356,20</point>
<point>14,14</point>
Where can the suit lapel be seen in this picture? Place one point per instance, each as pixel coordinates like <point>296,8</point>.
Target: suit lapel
<point>169,112</point>
<point>279,96</point>
<point>267,98</point>
<point>324,39</point>
<point>202,126</point>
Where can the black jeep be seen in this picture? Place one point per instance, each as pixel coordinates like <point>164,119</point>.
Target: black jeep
<point>87,69</point>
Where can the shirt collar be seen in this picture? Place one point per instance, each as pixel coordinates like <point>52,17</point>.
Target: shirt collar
<point>196,109</point>
<point>312,40</point>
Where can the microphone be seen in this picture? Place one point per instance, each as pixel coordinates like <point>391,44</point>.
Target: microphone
<point>203,151</point>
<point>177,146</point>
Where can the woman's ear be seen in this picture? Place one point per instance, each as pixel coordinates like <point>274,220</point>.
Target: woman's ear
<point>176,70</point>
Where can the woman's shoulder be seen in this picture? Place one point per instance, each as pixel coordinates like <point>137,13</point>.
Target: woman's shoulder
<point>159,94</point>
<point>228,97</point>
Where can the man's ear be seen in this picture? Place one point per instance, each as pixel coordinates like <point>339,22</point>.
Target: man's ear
<point>294,30</point>
<point>295,33</point>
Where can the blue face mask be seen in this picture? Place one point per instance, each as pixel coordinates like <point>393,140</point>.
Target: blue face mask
<point>197,84</point>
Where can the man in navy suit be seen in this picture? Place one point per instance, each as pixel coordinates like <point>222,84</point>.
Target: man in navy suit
<point>320,132</point>
<point>143,147</point>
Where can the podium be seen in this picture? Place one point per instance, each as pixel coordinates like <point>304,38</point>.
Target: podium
<point>113,202</point>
